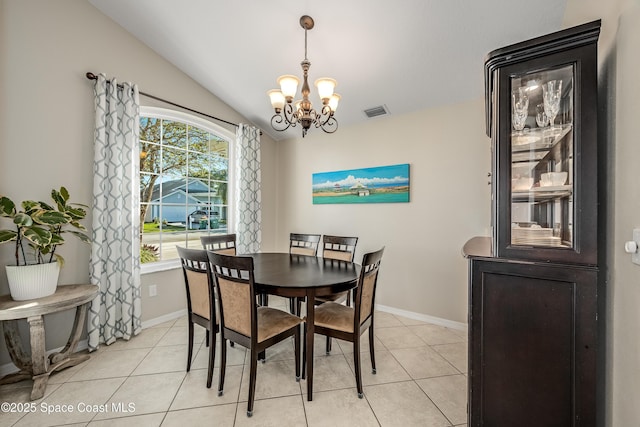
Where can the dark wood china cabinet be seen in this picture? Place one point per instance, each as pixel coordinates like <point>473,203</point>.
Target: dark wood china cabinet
<point>535,287</point>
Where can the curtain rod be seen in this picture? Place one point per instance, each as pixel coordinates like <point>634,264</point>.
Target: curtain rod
<point>92,76</point>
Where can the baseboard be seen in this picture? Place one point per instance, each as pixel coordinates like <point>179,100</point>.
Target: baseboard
<point>424,318</point>
<point>165,318</point>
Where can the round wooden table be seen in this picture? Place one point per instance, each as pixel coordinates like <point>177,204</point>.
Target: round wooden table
<point>290,275</point>
<point>40,366</point>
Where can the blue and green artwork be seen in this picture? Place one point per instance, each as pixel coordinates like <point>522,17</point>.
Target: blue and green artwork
<point>383,184</point>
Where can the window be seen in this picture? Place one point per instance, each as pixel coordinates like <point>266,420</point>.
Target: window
<point>184,182</point>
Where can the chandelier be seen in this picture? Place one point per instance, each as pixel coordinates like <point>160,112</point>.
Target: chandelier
<point>289,112</point>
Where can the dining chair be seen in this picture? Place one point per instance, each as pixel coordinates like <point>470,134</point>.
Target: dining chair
<point>242,321</point>
<point>201,307</point>
<point>349,323</point>
<point>302,244</point>
<point>340,248</point>
<point>220,243</point>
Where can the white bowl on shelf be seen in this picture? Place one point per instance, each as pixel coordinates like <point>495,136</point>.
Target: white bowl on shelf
<point>553,179</point>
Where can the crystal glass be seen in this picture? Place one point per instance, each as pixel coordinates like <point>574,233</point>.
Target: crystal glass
<point>541,117</point>
<point>520,104</point>
<point>551,94</point>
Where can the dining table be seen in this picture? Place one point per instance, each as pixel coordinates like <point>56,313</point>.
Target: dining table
<point>291,275</point>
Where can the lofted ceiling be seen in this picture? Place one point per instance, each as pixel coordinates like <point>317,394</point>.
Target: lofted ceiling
<point>407,55</point>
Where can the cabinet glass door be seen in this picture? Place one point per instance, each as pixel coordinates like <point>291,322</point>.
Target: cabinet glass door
<point>542,158</point>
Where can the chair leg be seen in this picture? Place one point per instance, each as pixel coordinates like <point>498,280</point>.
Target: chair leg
<point>304,350</point>
<point>206,340</point>
<point>190,345</point>
<point>299,306</point>
<point>358,367</point>
<point>328,345</point>
<point>252,381</point>
<point>223,365</point>
<point>296,346</point>
<point>212,355</point>
<point>371,350</point>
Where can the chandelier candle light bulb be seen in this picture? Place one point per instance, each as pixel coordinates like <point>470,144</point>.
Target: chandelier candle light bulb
<point>288,113</point>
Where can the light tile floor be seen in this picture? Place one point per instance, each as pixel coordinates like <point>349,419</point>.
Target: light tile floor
<point>420,381</point>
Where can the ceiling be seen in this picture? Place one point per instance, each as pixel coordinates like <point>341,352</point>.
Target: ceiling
<point>407,55</point>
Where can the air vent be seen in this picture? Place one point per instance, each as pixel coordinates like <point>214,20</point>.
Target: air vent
<point>377,111</point>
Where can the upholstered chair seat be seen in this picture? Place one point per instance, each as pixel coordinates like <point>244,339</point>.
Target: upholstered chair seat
<point>335,316</point>
<point>348,323</point>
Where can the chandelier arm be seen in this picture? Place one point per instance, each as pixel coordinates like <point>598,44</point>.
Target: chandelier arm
<point>284,119</point>
<point>324,116</point>
<point>330,125</point>
<point>279,123</point>
<point>290,115</point>
<point>325,120</point>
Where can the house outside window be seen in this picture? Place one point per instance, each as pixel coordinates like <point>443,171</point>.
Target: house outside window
<point>185,179</point>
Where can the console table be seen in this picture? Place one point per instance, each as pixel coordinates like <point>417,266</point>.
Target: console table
<point>40,366</point>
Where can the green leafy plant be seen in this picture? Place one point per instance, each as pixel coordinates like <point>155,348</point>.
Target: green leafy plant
<point>149,253</point>
<point>39,227</point>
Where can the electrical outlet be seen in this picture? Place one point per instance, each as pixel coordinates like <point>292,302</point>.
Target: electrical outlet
<point>153,290</point>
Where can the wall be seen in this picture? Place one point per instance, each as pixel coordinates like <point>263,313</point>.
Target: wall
<point>423,271</point>
<point>46,123</point>
<point>619,95</point>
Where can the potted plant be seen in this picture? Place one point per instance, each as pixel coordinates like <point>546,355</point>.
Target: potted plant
<point>39,229</point>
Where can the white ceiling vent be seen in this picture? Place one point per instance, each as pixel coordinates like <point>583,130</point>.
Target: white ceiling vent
<point>380,110</point>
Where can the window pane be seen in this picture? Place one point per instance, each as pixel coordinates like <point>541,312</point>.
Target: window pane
<point>174,163</point>
<point>198,140</point>
<point>199,165</point>
<point>183,186</point>
<point>150,129</point>
<point>174,134</point>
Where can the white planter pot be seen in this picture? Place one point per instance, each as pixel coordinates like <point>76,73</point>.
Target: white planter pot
<point>32,281</point>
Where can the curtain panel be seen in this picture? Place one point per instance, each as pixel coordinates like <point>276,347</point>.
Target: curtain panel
<point>115,251</point>
<point>248,190</point>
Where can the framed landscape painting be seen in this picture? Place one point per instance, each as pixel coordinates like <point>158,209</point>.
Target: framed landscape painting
<point>383,184</point>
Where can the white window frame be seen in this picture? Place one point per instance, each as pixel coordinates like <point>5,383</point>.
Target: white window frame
<point>209,126</point>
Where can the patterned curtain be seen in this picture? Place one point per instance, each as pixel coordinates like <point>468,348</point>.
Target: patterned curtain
<point>248,190</point>
<point>115,252</point>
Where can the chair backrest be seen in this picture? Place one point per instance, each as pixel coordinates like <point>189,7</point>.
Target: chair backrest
<point>198,282</point>
<point>338,247</point>
<point>234,281</point>
<point>304,244</point>
<point>365,296</point>
<point>220,243</point>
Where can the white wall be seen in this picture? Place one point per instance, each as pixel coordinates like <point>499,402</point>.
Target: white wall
<point>449,156</point>
<point>46,123</point>
<point>619,98</point>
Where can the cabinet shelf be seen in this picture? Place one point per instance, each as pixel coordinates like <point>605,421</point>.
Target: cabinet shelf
<point>538,139</point>
<point>542,194</point>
